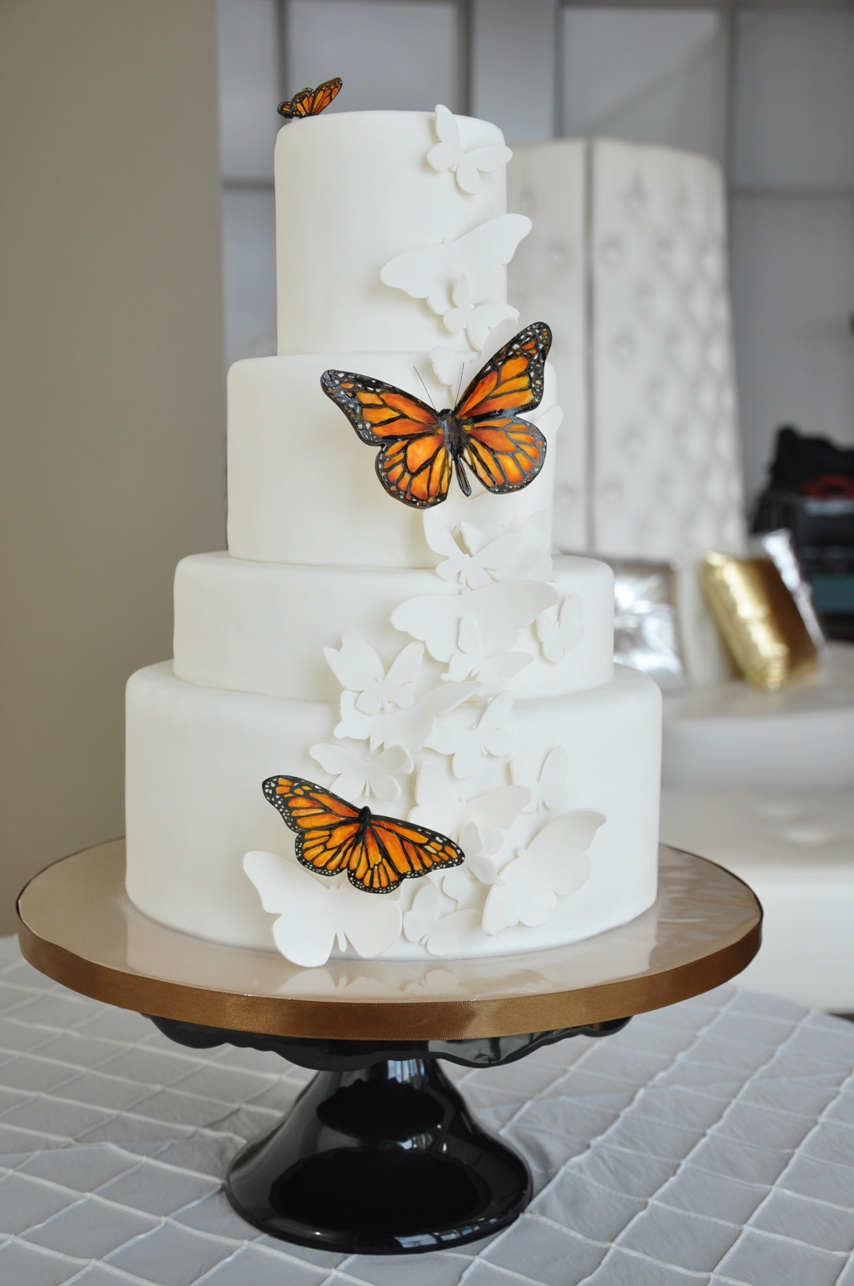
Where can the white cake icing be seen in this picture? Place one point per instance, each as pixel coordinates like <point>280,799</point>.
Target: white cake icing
<point>344,209</point>
<point>241,625</point>
<point>437,665</point>
<point>196,757</point>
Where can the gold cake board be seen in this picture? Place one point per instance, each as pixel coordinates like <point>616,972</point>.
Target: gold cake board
<point>78,926</point>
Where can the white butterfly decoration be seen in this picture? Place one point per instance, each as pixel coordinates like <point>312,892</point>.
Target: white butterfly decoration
<point>355,776</point>
<point>531,558</point>
<point>478,824</point>
<point>430,272</point>
<point>561,631</point>
<point>501,610</point>
<point>407,728</point>
<point>433,920</point>
<point>477,320</point>
<point>467,166</point>
<point>454,369</point>
<point>472,661</point>
<point>555,864</point>
<point>484,558</point>
<point>357,668</point>
<point>312,917</point>
<point>489,736</point>
<point>551,788</point>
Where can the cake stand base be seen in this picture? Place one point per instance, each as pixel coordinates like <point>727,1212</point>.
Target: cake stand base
<point>380,1154</point>
<point>385,1160</point>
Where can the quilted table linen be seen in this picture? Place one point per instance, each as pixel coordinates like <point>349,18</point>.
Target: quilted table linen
<point>711,1142</point>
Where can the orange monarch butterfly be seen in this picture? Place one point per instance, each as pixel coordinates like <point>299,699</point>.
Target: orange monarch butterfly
<point>310,102</point>
<point>422,447</point>
<point>333,836</point>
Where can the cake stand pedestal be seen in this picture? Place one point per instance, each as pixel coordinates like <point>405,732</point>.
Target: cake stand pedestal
<point>380,1154</point>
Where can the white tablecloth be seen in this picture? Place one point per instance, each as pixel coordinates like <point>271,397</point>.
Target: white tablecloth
<point>712,1142</point>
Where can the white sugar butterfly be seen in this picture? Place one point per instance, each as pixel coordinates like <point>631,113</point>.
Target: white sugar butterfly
<point>561,632</point>
<point>489,736</point>
<point>357,668</point>
<point>551,788</point>
<point>467,166</point>
<point>313,915</point>
<point>355,776</point>
<point>555,864</point>
<point>431,272</point>
<point>424,921</point>
<point>408,728</point>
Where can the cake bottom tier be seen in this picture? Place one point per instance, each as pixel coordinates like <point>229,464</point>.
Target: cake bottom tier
<point>196,758</point>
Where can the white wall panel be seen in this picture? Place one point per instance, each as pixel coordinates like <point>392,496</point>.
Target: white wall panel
<point>249,272</point>
<point>402,56</point>
<point>248,58</point>
<point>792,296</point>
<point>647,76</point>
<point>794,100</point>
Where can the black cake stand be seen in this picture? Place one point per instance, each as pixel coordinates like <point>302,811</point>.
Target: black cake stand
<point>380,1154</point>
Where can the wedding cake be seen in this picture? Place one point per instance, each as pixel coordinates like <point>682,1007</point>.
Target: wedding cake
<point>392,727</point>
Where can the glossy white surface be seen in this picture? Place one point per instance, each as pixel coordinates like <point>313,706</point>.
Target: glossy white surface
<point>730,736</point>
<point>196,758</point>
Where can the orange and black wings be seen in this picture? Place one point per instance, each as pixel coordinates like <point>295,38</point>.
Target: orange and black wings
<point>422,448</point>
<point>310,102</point>
<point>512,380</point>
<point>415,463</point>
<point>333,836</point>
<point>503,451</point>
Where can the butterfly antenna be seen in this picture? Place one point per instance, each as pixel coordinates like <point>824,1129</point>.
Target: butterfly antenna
<point>425,388</point>
<point>460,384</point>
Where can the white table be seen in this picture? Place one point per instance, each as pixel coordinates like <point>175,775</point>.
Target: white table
<point>712,1142</point>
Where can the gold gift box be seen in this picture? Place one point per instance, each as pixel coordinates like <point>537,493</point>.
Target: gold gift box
<point>759,620</point>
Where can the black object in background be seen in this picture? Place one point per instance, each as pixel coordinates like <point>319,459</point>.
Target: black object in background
<point>810,491</point>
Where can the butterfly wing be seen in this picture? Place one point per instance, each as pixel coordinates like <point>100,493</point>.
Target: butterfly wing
<point>332,836</point>
<point>505,452</point>
<point>408,851</point>
<point>311,102</point>
<point>512,380</point>
<point>414,464</point>
<point>326,826</point>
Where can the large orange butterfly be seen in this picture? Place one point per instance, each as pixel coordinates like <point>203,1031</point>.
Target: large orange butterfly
<point>333,836</point>
<point>310,102</point>
<point>421,448</point>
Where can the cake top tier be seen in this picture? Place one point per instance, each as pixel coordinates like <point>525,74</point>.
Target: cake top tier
<point>355,190</point>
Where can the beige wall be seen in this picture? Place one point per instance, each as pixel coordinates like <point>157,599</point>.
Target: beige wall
<point>111,409</point>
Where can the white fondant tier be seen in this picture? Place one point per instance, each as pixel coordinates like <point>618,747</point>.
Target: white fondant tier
<point>354,190</point>
<point>262,627</point>
<point>302,487</point>
<point>196,758</point>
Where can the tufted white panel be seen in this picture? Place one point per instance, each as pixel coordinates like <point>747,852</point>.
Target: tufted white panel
<point>666,469</point>
<point>546,282</point>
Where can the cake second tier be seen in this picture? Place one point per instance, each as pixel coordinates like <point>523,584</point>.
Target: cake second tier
<point>303,489</point>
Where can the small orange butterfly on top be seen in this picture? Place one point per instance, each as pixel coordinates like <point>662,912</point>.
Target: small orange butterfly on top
<point>310,102</point>
<point>334,836</point>
<point>422,448</point>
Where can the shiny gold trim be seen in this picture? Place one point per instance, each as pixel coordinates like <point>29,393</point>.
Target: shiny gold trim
<point>77,926</point>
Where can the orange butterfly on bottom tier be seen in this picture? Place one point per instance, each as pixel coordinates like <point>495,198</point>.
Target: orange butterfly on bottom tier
<point>421,448</point>
<point>310,102</point>
<point>334,836</point>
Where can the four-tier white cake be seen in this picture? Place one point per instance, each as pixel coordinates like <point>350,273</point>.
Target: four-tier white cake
<point>436,664</point>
